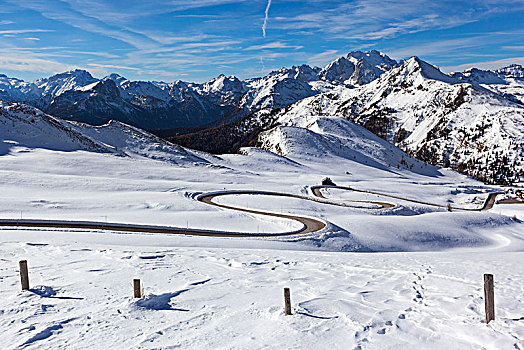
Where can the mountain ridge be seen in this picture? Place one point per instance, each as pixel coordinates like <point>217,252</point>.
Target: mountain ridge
<point>471,121</point>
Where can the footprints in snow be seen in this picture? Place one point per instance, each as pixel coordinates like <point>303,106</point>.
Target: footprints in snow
<point>381,327</point>
<point>417,285</point>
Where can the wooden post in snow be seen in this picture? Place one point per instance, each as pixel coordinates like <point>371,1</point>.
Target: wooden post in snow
<point>489,297</point>
<point>136,288</point>
<point>24,274</point>
<point>287,301</point>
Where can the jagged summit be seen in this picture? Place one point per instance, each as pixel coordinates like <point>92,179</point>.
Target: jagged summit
<point>416,70</point>
<point>223,83</point>
<point>62,82</point>
<point>375,58</point>
<point>118,79</point>
<point>512,71</point>
<point>479,76</point>
<point>357,67</point>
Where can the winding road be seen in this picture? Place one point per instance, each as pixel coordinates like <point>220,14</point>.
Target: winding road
<point>309,224</point>
<point>488,204</point>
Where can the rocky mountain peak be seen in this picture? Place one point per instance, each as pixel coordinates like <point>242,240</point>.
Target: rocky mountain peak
<point>224,84</point>
<point>118,79</point>
<point>70,80</point>
<point>416,70</point>
<point>479,76</point>
<point>512,71</point>
<point>338,70</point>
<point>357,67</point>
<point>107,88</point>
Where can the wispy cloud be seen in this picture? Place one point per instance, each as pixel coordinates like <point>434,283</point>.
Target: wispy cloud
<point>76,19</point>
<point>513,47</point>
<point>485,65</point>
<point>169,38</point>
<point>273,45</point>
<point>324,57</point>
<point>91,53</point>
<point>112,66</point>
<point>31,63</point>
<point>376,19</point>
<point>24,31</point>
<point>266,18</point>
<point>437,47</point>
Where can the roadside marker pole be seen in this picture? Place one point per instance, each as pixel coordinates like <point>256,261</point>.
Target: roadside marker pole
<point>136,288</point>
<point>287,301</point>
<point>489,297</point>
<point>24,274</point>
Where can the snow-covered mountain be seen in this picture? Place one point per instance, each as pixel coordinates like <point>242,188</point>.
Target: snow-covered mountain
<point>357,68</point>
<point>25,127</point>
<point>469,120</point>
<point>507,82</point>
<point>324,138</point>
<point>159,105</point>
<point>60,83</point>
<point>12,89</point>
<point>513,71</point>
<point>433,116</point>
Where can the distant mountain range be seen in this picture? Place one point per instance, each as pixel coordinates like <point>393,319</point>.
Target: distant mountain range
<point>472,121</point>
<point>78,96</point>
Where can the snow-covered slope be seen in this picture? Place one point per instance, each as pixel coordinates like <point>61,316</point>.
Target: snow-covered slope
<point>27,127</point>
<point>325,139</point>
<point>137,143</point>
<point>434,117</point>
<point>24,127</point>
<point>406,276</point>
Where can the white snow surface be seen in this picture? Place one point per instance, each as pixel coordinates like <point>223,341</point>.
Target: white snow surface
<point>407,277</point>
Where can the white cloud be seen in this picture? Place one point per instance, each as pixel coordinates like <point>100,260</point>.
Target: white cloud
<point>513,47</point>
<point>112,66</point>
<point>485,65</point>
<point>273,45</point>
<point>28,62</point>
<point>323,58</point>
<point>437,47</point>
<point>24,31</point>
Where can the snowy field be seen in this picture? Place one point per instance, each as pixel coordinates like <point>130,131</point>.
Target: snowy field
<point>408,277</point>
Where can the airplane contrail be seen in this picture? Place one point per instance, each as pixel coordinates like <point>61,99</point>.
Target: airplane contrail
<point>266,18</point>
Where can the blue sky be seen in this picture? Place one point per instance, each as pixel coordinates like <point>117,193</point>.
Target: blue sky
<point>197,40</point>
